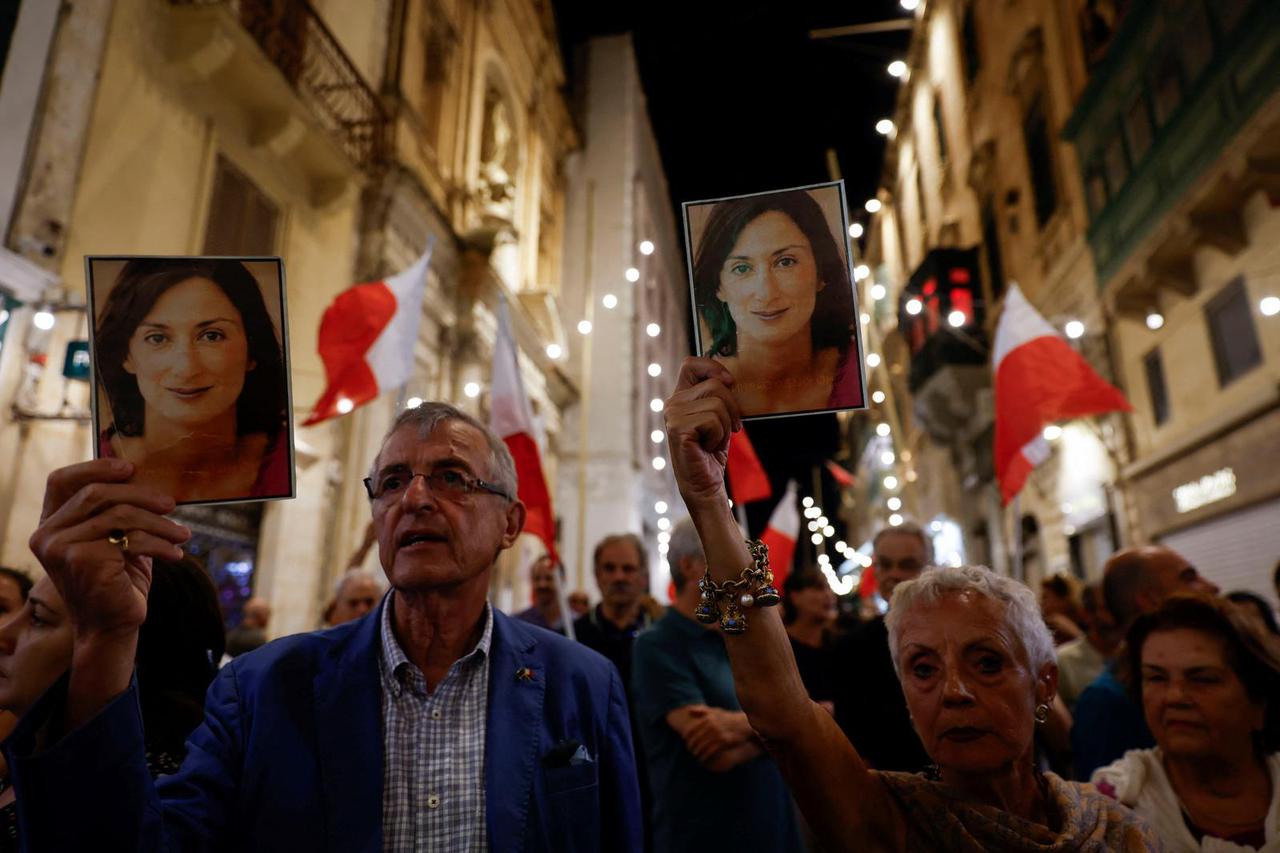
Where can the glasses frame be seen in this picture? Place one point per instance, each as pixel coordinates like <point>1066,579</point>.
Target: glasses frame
<point>473,484</point>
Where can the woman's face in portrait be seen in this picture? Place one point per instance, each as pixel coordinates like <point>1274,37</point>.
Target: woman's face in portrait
<point>770,280</point>
<point>190,354</point>
<point>1194,702</point>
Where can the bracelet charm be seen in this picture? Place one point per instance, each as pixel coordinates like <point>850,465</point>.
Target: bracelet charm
<point>753,588</point>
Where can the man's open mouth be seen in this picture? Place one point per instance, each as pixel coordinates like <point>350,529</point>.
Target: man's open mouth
<point>419,537</point>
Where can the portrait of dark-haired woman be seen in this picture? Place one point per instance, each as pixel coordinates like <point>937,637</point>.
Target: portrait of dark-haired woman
<point>772,291</point>
<point>191,365</point>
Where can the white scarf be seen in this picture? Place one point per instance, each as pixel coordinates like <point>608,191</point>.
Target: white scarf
<point>1138,780</point>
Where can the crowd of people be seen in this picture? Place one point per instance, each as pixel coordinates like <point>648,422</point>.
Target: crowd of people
<point>1140,712</point>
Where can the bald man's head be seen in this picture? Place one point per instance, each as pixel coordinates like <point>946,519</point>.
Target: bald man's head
<point>1138,580</point>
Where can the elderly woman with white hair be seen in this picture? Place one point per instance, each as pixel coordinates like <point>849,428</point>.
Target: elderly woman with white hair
<point>977,668</point>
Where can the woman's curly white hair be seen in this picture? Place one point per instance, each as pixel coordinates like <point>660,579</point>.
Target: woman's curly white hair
<point>1021,612</point>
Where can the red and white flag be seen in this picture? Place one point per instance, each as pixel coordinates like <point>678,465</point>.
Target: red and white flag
<point>843,476</point>
<point>1039,379</point>
<point>782,533</point>
<point>511,417</point>
<point>366,340</point>
<point>747,478</point>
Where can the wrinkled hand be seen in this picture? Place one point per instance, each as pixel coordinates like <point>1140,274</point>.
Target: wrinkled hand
<point>104,587</point>
<point>701,415</point>
<point>715,730</point>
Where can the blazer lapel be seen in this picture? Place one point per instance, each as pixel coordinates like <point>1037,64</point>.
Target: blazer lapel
<point>517,686</point>
<point>348,709</point>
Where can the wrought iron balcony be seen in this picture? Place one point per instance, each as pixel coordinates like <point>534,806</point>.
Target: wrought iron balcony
<point>1176,85</point>
<point>941,316</point>
<point>296,40</point>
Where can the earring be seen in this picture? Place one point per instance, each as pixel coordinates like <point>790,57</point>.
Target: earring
<point>1042,712</point>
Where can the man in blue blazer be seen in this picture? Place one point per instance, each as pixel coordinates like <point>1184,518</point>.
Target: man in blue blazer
<point>433,723</point>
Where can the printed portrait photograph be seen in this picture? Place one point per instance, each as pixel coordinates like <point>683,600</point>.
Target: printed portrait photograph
<point>191,374</point>
<point>773,298</point>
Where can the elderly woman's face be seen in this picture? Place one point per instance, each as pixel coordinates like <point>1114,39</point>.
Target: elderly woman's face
<point>967,682</point>
<point>1194,702</point>
<point>770,280</point>
<point>190,354</point>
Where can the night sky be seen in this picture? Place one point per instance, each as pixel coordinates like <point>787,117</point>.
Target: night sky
<point>740,97</point>
<point>742,100</point>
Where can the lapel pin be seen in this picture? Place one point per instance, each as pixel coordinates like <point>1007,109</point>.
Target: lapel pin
<point>524,675</point>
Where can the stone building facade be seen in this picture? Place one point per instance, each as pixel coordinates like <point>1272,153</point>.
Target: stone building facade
<point>1118,161</point>
<point>623,259</point>
<point>343,143</point>
<point>981,190</point>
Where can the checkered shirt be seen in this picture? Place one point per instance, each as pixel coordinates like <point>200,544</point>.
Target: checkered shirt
<point>433,749</point>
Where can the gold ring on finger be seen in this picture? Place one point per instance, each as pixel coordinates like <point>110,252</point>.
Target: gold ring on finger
<point>120,538</point>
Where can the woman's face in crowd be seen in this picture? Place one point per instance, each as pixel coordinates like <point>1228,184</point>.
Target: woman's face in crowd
<point>35,648</point>
<point>190,354</point>
<point>968,685</point>
<point>1194,702</point>
<point>815,603</point>
<point>770,280</point>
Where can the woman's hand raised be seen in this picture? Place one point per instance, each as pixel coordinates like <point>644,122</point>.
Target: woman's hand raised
<point>701,415</point>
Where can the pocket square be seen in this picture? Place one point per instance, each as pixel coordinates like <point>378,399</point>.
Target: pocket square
<point>567,753</point>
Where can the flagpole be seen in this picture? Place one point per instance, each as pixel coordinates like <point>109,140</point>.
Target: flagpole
<point>584,403</point>
<point>1015,563</point>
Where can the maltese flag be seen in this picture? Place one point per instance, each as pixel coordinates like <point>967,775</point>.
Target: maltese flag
<point>1039,379</point>
<point>511,418</point>
<point>366,340</point>
<point>782,533</point>
<point>748,480</point>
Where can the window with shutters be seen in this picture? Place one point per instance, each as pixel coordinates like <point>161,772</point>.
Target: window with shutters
<point>969,44</point>
<point>939,128</point>
<point>1153,366</point>
<point>242,220</point>
<point>991,251</point>
<point>1035,134</point>
<point>1235,340</point>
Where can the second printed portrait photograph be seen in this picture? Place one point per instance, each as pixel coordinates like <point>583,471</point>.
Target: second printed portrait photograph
<point>773,298</point>
<point>191,374</point>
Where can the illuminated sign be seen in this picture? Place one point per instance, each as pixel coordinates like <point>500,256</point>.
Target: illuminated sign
<point>76,363</point>
<point>1209,488</point>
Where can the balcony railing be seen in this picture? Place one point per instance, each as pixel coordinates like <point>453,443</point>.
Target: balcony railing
<point>294,37</point>
<point>1177,83</point>
<point>941,314</point>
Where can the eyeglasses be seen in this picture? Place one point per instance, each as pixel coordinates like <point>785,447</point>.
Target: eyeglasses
<point>444,483</point>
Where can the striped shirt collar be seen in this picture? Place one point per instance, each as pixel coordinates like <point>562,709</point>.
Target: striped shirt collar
<point>394,661</point>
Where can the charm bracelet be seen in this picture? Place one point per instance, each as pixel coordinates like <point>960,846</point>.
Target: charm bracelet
<point>753,588</point>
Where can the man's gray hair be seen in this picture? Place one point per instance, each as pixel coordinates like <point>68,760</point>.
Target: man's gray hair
<point>908,528</point>
<point>358,574</point>
<point>614,538</point>
<point>1021,613</point>
<point>684,545</point>
<point>430,415</point>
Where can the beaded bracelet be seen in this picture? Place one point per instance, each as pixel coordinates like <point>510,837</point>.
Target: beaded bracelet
<point>753,588</point>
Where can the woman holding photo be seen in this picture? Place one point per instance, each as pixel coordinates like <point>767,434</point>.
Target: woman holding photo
<point>773,289</point>
<point>193,372</point>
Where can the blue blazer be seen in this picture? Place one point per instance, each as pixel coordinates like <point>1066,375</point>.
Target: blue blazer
<point>289,756</point>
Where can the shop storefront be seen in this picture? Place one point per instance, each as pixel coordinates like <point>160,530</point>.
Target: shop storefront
<point>1218,503</point>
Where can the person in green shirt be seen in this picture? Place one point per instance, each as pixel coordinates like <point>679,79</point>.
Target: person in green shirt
<point>711,782</point>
